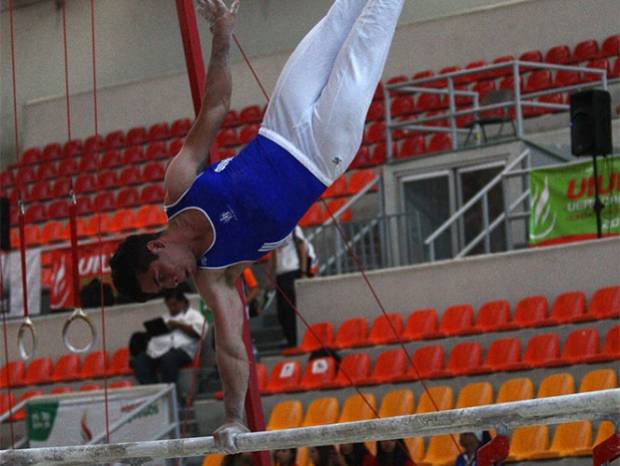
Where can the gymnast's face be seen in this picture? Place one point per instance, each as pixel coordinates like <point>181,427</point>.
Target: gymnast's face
<point>174,265</point>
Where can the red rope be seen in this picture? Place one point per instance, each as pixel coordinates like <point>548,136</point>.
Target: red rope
<point>252,70</point>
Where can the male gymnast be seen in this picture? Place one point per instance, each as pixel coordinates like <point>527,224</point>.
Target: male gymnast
<point>229,214</point>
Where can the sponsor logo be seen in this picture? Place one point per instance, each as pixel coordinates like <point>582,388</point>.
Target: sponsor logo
<point>585,186</point>
<point>543,219</point>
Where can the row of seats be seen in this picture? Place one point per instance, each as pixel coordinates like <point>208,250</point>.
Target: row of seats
<point>67,368</point>
<point>527,443</point>
<point>544,350</point>
<point>492,316</point>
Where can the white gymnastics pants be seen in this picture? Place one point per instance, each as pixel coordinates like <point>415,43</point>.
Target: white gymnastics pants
<point>319,105</point>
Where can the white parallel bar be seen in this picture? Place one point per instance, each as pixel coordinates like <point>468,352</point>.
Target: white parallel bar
<point>503,417</point>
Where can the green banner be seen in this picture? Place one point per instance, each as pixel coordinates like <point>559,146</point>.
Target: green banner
<point>562,201</point>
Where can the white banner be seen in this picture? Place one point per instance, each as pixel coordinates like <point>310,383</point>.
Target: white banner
<point>12,279</point>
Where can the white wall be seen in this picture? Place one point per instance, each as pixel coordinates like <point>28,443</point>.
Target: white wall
<point>138,41</point>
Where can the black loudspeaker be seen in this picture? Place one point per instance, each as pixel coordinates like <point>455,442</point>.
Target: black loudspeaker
<point>590,119</point>
<point>5,227</point>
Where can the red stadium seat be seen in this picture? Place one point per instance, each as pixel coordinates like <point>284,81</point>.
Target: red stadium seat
<point>133,155</point>
<point>586,50</point>
<point>531,312</point>
<point>36,213</point>
<point>156,151</point>
<point>428,363</point>
<point>447,70</point>
<point>94,144</point>
<point>430,102</point>
<point>319,373</point>
<point>542,351</point>
<point>611,348</point>
<point>359,180</point>
<point>175,147</point>
<point>568,307</point>
<point>61,188</point>
<point>12,374</point>
<point>60,390</point>
<point>58,209</point>
<point>153,171</point>
<point>121,384</point>
<point>94,365</point>
<point>107,180</point>
<point>611,46</point>
<point>128,197</point>
<point>230,120</point>
<point>378,155</point>
<point>531,56</point>
<point>85,205</point>
<point>135,136</point>
<point>566,78</point>
<point>376,111</point>
<point>152,194</point>
<point>598,64</point>
<point>21,414</point>
<point>396,80</point>
<point>351,333</point>
<point>33,237</point>
<point>314,216</point>
<point>158,131</point>
<point>227,138</point>
<point>465,358</point>
<point>503,355</point>
<point>334,206</point>
<point>580,345</point>
<point>40,192</point>
<point>90,387</point>
<point>52,151</point>
<point>115,140</point>
<point>26,174</point>
<point>6,178</point>
<point>104,222</point>
<point>375,133</point>
<point>457,320</point>
<point>111,159</point>
<point>53,231</point>
<point>31,155</point>
<point>247,133</point>
<point>122,220</point>
<point>424,75</point>
<point>500,72</point>
<point>494,316</point>
<point>412,146</point>
<point>614,73</point>
<point>72,148</point>
<point>89,163</point>
<point>319,335</point>
<point>354,368</point>
<point>560,55</point>
<point>390,366</point>
<point>422,324</point>
<point>337,189</point>
<point>378,95</point>
<point>104,201</point>
<point>251,114</point>
<point>285,377</point>
<point>386,329</point>
<point>539,81</point>
<point>119,364</point>
<point>180,128</point>
<point>402,105</point>
<point>361,158</point>
<point>47,171</point>
<point>150,216</point>
<point>605,303</point>
<point>473,77</point>
<point>67,368</point>
<point>440,142</point>
<point>68,167</point>
<point>129,176</point>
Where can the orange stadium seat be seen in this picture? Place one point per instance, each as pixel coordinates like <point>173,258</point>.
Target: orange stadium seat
<point>104,201</point>
<point>39,372</point>
<point>89,387</point>
<point>321,411</point>
<point>53,231</point>
<point>129,176</point>
<point>389,366</point>
<point>156,151</point>
<point>134,155</point>
<point>358,408</point>
<point>286,414</point>
<point>285,377</point>
<point>579,345</point>
<point>135,136</point>
<point>12,374</point>
<point>600,379</point>
<point>214,459</point>
<point>93,144</point>
<point>397,403</point>
<point>428,363</point>
<point>94,365</point>
<point>494,316</point>
<point>180,127</point>
<point>605,303</point>
<point>386,329</point>
<point>531,312</point>
<point>150,216</point>
<point>127,197</point>
<point>570,439</point>
<point>560,55</point>
<point>158,131</point>
<point>354,368</point>
<point>442,451</point>
<point>457,320</point>
<point>422,324</point>
<point>121,220</point>
<point>67,368</point>
<point>319,373</point>
<point>605,430</point>
<point>465,358</point>
<point>337,189</point>
<point>111,159</point>
<point>52,151</point>
<point>316,337</point>
<point>438,398</point>
<point>515,390</point>
<point>115,140</point>
<point>119,364</point>
<point>586,50</point>
<point>528,442</point>
<point>611,348</point>
<point>152,194</point>
<point>556,385</point>
<point>101,220</point>
<point>611,46</point>
<point>475,394</point>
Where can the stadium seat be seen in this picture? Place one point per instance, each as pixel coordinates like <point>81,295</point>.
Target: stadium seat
<point>566,78</point>
<point>396,80</point>
<point>430,102</point>
<point>412,146</point>
<point>442,451</point>
<point>231,119</point>
<point>605,303</point>
<point>67,368</point>
<point>378,95</point>
<point>465,358</point>
<point>568,307</point>
<point>378,154</point>
<point>457,320</point>
<point>542,350</point>
<point>156,151</point>
<point>84,205</point>
<point>351,333</point>
<point>119,364</point>
<point>437,398</point>
<point>89,163</point>
<point>39,371</point>
<point>500,72</point>
<point>6,178</point>
<point>611,46</point>
<point>314,216</point>
<point>47,171</point>
<point>376,111</point>
<point>319,335</point>
<point>31,155</point>
<point>21,414</point>
<point>389,367</point>
<point>375,133</point>
<point>358,408</point>
<point>473,77</point>
<point>60,390</point>
<point>494,316</point>
<point>12,374</point>
<point>570,439</point>
<point>528,442</point>
<point>598,64</point>
<point>599,379</point>
<point>531,312</point>
<point>152,194</point>
<point>26,175</point>
<point>440,142</point>
<point>153,171</point>
<point>359,180</point>
<point>61,188</point>
<point>334,206</point>
<point>425,74</point>
<point>53,231</point>
<point>319,373</point>
<point>415,447</point>
<point>428,363</point>
<point>397,403</point>
<point>556,384</point>
<point>579,345</point>
<point>134,155</point>
<point>515,390</point>
<point>386,329</point>
<point>93,144</point>
<point>421,324</point>
<point>115,140</point>
<point>214,459</point>
<point>158,131</point>
<point>605,430</point>
<point>121,220</point>
<point>586,50</point>
<point>90,387</point>
<point>135,136</point>
<point>51,152</point>
<point>337,189</point>
<point>40,191</point>
<point>104,201</point>
<point>251,114</point>
<point>475,394</point>
<point>111,159</point>
<point>611,348</point>
<point>247,133</point>
<point>402,105</point>
<point>354,368</point>
<point>559,55</point>
<point>286,415</point>
<point>94,365</point>
<point>531,56</point>
<point>103,221</point>
<point>227,137</point>
<point>107,180</point>
<point>539,81</point>
<point>130,176</point>
<point>361,158</point>
<point>175,147</point>
<point>150,216</point>
<point>614,73</point>
<point>180,127</point>
<point>121,384</point>
<point>68,167</point>
<point>447,70</point>
<point>58,209</point>
<point>285,377</point>
<point>503,355</point>
<point>321,411</point>
<point>128,197</point>
<point>35,213</point>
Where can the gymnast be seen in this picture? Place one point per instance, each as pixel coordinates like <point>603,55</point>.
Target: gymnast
<point>226,215</point>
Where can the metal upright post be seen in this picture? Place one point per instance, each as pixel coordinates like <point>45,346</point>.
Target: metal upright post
<point>452,103</point>
<point>517,89</point>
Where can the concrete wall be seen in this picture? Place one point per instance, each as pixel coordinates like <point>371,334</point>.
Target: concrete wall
<point>584,266</point>
<point>138,43</point>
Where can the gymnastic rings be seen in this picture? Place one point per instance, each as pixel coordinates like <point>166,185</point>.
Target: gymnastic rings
<point>26,327</point>
<point>79,314</point>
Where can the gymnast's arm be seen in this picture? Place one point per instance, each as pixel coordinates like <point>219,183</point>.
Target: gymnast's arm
<point>215,104</point>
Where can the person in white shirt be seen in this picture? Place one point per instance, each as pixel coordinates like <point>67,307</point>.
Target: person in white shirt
<point>166,354</point>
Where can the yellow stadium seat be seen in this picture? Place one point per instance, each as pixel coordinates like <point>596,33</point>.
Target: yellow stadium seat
<point>355,408</point>
<point>286,415</point>
<point>570,439</point>
<point>441,395</point>
<point>475,394</point>
<point>605,430</point>
<point>442,451</point>
<point>321,411</point>
<point>397,403</point>
<point>415,445</point>
<point>515,390</point>
<point>527,442</point>
<point>556,385</point>
<point>600,379</point>
<point>213,460</point>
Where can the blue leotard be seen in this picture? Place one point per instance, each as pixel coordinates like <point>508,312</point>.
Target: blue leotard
<point>253,201</point>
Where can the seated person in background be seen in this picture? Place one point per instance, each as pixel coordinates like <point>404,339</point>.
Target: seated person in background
<point>170,351</point>
<point>356,454</point>
<point>392,453</point>
<point>470,442</point>
<point>240,459</point>
<point>285,457</point>
<point>325,456</point>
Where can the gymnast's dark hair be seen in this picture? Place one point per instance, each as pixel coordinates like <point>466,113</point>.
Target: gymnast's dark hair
<point>131,258</point>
